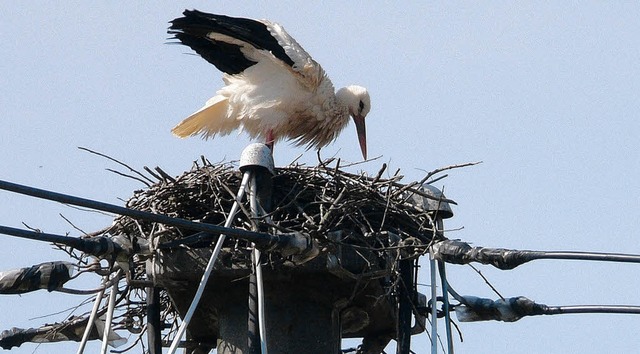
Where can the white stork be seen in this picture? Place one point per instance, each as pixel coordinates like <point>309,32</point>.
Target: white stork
<point>273,88</point>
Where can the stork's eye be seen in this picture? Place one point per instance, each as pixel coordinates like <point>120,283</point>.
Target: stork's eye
<point>360,106</point>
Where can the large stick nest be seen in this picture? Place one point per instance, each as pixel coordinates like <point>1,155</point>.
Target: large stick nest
<point>313,200</point>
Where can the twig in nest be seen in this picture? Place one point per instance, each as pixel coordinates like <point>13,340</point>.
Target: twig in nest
<point>409,187</point>
<point>72,224</point>
<point>165,175</point>
<point>129,176</point>
<point>150,171</point>
<point>486,281</point>
<point>119,163</point>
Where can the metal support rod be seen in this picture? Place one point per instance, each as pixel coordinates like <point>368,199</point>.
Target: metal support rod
<point>92,317</point>
<point>434,308</point>
<point>208,269</point>
<point>110,310</point>
<point>260,239</point>
<point>154,325</point>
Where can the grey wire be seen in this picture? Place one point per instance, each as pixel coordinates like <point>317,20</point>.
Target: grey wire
<point>588,256</point>
<point>445,300</point>
<point>619,309</point>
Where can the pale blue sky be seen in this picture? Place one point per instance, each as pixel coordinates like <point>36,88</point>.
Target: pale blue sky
<point>546,94</point>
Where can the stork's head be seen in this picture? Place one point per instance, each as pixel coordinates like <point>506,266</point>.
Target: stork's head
<point>357,100</point>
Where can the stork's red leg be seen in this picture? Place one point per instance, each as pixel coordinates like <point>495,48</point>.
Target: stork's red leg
<point>270,140</point>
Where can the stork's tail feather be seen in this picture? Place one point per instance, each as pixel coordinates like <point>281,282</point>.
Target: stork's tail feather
<point>208,121</point>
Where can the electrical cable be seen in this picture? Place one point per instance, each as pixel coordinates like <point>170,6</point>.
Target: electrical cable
<point>445,301</point>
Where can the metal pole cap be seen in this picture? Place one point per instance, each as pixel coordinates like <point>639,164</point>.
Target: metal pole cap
<point>257,155</point>
<point>443,208</point>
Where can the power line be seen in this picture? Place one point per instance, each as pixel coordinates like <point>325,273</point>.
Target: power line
<point>459,252</point>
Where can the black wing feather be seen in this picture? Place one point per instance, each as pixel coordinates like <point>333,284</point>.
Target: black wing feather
<point>192,30</point>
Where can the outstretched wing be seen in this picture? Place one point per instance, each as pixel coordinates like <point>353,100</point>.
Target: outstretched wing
<point>234,44</point>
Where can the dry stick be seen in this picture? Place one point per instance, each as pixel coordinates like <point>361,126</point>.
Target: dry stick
<point>242,207</point>
<point>486,281</point>
<point>165,175</point>
<point>129,176</point>
<point>90,210</point>
<point>363,161</point>
<point>150,171</point>
<point>446,168</point>
<point>436,171</point>
<point>324,162</point>
<point>386,210</point>
<point>116,161</point>
<point>379,174</point>
<point>296,159</point>
<point>72,224</point>
<point>332,208</point>
<point>437,179</point>
<point>71,309</point>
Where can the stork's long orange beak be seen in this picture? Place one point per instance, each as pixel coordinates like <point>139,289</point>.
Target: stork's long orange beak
<point>362,134</point>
